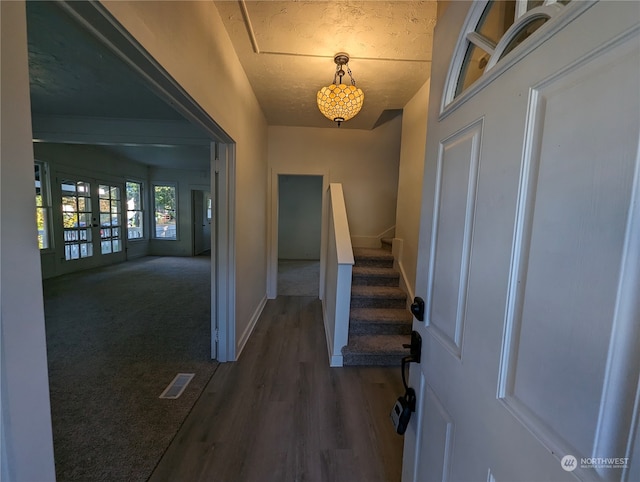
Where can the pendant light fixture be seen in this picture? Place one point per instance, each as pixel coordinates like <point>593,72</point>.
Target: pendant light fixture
<point>340,102</point>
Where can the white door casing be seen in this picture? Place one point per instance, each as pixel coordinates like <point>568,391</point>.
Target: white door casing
<point>529,259</point>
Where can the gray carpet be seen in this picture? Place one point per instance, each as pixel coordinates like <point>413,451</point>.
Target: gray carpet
<point>116,337</point>
<point>298,277</point>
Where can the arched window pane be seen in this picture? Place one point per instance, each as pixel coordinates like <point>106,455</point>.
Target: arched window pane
<point>524,34</point>
<point>498,16</point>
<point>473,66</point>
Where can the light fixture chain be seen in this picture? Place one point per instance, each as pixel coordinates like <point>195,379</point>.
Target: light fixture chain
<point>353,81</point>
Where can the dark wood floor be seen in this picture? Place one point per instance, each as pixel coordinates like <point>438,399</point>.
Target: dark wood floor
<point>282,414</point>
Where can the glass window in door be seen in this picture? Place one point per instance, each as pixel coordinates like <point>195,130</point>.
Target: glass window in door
<point>76,218</point>
<point>110,219</point>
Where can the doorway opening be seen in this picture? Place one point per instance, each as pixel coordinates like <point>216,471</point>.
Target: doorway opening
<point>202,215</point>
<point>299,234</point>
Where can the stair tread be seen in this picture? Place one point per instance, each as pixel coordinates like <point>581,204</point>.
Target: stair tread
<point>377,344</point>
<point>390,315</point>
<point>364,291</point>
<point>375,271</point>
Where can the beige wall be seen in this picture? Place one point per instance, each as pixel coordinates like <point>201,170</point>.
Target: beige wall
<point>25,427</point>
<point>364,161</point>
<point>414,133</point>
<point>189,40</point>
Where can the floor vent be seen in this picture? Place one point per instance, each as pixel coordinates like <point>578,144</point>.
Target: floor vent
<point>177,386</point>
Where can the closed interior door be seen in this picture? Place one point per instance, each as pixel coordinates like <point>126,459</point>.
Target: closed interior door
<point>530,260</point>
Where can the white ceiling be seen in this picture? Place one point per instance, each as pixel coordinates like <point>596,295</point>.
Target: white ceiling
<point>287,50</point>
<point>285,47</point>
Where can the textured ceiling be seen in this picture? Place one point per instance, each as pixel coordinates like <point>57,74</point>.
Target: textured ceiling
<point>287,49</point>
<point>72,73</point>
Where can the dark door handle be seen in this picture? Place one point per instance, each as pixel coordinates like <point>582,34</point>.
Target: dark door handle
<point>417,308</point>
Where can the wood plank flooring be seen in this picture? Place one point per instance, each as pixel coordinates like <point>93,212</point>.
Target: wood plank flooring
<point>281,414</point>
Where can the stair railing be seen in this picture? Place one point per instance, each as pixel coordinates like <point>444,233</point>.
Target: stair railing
<point>338,271</point>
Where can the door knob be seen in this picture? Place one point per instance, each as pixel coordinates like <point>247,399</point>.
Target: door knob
<point>417,308</point>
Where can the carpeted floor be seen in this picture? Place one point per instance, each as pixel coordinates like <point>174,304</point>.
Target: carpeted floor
<point>116,337</point>
<point>298,277</point>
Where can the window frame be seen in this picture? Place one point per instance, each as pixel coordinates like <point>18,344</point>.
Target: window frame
<point>154,233</point>
<point>45,205</point>
<point>559,13</point>
<point>141,211</point>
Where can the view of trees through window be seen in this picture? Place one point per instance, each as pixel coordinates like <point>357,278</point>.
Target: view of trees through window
<point>164,201</point>
<point>42,205</point>
<point>135,219</point>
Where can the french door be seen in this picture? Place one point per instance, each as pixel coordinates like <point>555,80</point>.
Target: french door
<point>92,222</point>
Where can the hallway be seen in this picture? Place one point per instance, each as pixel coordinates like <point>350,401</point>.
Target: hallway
<point>282,414</point>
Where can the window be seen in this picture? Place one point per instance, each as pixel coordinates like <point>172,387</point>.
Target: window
<point>164,205</point>
<point>43,205</point>
<point>135,223</point>
<point>110,215</point>
<point>493,29</point>
<point>76,219</point>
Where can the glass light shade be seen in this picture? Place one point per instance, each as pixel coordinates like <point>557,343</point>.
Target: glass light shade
<point>341,102</point>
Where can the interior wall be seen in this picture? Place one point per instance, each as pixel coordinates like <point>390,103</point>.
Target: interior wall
<point>189,40</point>
<point>185,181</point>
<point>412,152</point>
<point>27,452</point>
<point>299,217</point>
<point>365,162</point>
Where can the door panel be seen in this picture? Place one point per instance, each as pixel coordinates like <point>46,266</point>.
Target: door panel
<point>453,225</point>
<point>578,188</point>
<point>530,248</point>
<point>440,428</point>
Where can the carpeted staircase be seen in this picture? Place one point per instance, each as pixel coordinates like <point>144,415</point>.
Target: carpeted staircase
<point>379,321</point>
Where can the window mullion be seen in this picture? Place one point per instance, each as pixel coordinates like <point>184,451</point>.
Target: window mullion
<point>482,42</point>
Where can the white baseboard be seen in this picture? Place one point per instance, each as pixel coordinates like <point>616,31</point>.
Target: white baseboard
<point>404,285</point>
<point>249,329</point>
<point>397,249</point>
<point>334,360</point>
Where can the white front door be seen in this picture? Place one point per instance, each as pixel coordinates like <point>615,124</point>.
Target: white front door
<point>530,256</point>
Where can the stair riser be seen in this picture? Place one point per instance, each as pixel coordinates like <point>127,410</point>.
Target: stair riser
<point>374,262</point>
<point>372,360</point>
<point>378,303</point>
<point>375,280</point>
<point>366,328</point>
